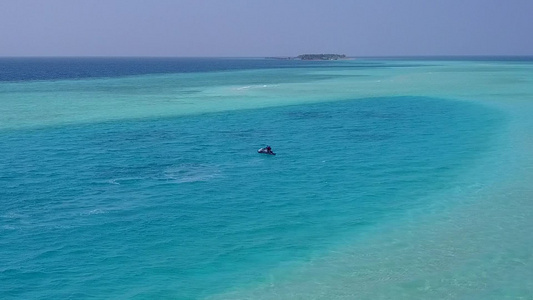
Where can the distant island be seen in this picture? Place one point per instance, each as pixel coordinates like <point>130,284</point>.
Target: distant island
<point>321,56</point>
<point>313,57</point>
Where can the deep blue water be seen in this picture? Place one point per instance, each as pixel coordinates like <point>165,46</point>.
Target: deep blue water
<point>58,68</point>
<point>24,69</point>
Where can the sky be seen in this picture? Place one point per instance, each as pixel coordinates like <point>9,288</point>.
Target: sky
<point>257,28</point>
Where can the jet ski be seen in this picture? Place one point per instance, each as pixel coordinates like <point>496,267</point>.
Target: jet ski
<point>266,150</point>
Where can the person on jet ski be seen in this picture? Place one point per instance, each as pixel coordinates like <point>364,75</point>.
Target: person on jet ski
<point>266,150</point>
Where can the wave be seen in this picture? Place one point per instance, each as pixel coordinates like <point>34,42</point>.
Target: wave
<point>252,87</point>
<point>190,172</point>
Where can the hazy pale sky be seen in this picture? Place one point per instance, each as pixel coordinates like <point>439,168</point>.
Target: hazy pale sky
<point>265,27</point>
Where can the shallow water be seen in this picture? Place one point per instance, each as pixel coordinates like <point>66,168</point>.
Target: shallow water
<point>404,179</point>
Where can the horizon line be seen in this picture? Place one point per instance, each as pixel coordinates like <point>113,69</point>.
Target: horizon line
<point>271,56</point>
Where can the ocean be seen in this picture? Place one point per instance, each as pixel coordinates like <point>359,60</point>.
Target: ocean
<point>139,178</point>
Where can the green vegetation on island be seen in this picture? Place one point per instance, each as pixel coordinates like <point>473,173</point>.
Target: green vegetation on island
<point>321,56</point>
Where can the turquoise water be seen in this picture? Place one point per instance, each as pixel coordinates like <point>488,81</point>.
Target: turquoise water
<point>402,179</point>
